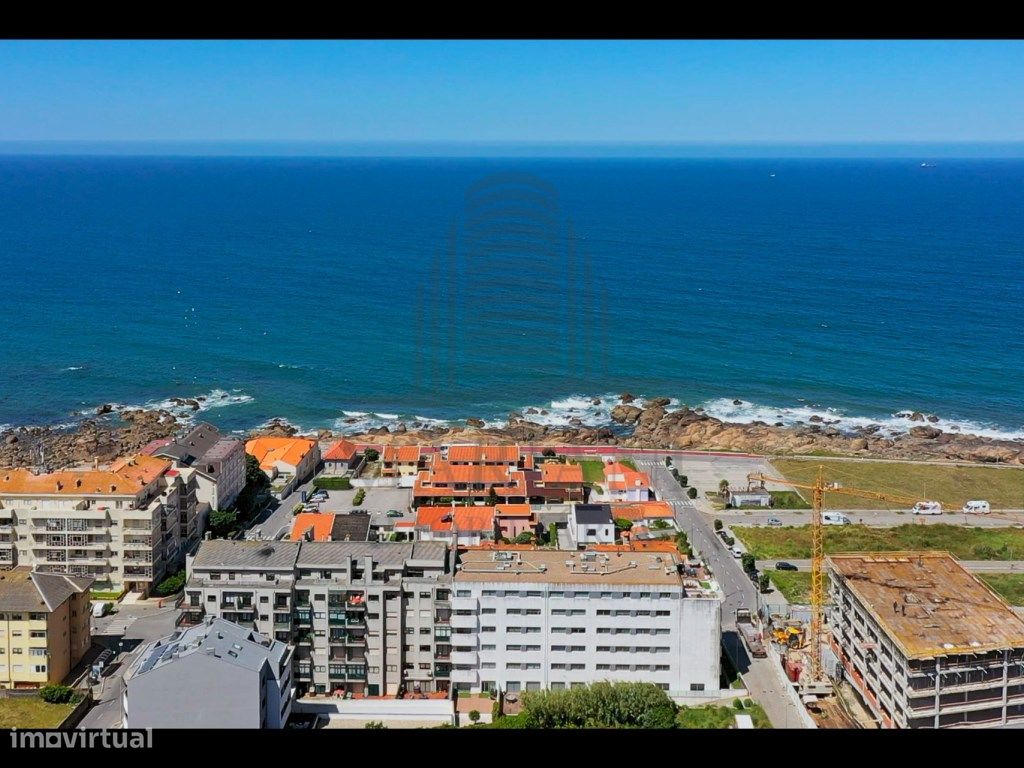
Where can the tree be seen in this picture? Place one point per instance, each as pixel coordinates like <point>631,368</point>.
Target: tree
<point>718,524</point>
<point>747,561</point>
<point>668,461</point>
<point>474,716</point>
<point>223,522</point>
<point>601,705</point>
<point>256,489</point>
<point>171,585</point>
<point>659,525</point>
<point>723,487</point>
<point>358,498</point>
<point>375,725</point>
<point>683,480</point>
<point>371,454</point>
<point>526,537</point>
<point>622,524</point>
<point>492,497</point>
<point>549,453</point>
<point>691,492</point>
<point>764,583</point>
<point>553,535</point>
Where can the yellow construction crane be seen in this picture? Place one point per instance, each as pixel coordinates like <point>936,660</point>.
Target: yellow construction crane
<point>818,490</point>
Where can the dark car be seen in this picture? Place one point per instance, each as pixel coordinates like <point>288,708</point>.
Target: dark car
<point>394,513</point>
<point>754,575</point>
<point>784,566</point>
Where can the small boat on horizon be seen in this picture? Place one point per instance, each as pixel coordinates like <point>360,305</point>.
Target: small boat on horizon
<point>927,165</point>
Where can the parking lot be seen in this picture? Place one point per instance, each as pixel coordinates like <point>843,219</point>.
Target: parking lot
<point>377,502</point>
<point>705,473</point>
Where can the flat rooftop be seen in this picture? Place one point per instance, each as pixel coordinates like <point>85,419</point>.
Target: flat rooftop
<point>928,603</point>
<point>565,567</point>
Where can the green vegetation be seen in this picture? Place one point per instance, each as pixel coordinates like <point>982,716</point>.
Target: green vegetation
<point>660,525</point>
<point>109,596</point>
<point>59,694</point>
<point>718,524</point>
<point>358,498</point>
<point>965,543</point>
<point>375,725</point>
<point>593,470</point>
<point>171,585</point>
<point>371,454</point>
<point>333,483</point>
<point>622,524</point>
<point>683,544</point>
<point>474,715</point>
<point>764,583</point>
<point>712,717</point>
<point>1002,487</point>
<point>32,712</point>
<point>601,705</point>
<point>788,500</point>
<point>223,523</point>
<point>548,453</point>
<point>747,561</point>
<point>691,492</point>
<point>492,497</point>
<point>526,537</point>
<point>553,535</point>
<point>257,488</point>
<point>795,586</point>
<point>1010,586</point>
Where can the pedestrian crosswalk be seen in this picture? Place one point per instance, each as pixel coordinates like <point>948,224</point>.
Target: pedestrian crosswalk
<point>117,625</point>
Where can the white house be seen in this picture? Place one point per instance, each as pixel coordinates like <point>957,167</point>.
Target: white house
<point>591,524</point>
<point>623,483</point>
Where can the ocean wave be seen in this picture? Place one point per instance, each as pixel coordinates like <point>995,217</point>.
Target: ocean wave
<point>73,368</point>
<point>891,425</point>
<point>214,399</point>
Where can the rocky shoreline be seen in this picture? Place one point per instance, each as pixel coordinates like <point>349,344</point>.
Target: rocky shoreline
<point>646,424</point>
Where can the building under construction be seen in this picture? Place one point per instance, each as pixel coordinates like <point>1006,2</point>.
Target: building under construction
<point>925,642</point>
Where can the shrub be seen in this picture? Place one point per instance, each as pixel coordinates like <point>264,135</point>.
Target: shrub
<point>659,525</point>
<point>371,454</point>
<point>718,524</point>
<point>723,486</point>
<point>553,535</point>
<point>622,524</point>
<point>375,725</point>
<point>223,522</point>
<point>747,561</point>
<point>333,483</point>
<point>601,705</point>
<point>763,582</point>
<point>691,492</point>
<point>358,498</point>
<point>737,704</point>
<point>57,694</point>
<point>549,453</point>
<point>474,716</point>
<point>297,508</point>
<point>524,538</point>
<point>172,584</point>
<point>729,541</point>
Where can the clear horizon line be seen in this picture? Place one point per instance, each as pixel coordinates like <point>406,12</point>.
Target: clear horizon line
<point>893,149</point>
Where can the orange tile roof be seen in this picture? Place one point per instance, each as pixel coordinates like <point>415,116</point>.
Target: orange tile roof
<point>343,450</point>
<point>438,519</point>
<point>630,477</point>
<point>474,518</point>
<point>320,523</point>
<point>553,472</point>
<point>513,510</point>
<point>635,546</point>
<point>270,450</point>
<point>643,510</point>
<point>443,472</point>
<point>403,454</point>
<point>504,454</point>
<point>446,518</point>
<point>125,477</point>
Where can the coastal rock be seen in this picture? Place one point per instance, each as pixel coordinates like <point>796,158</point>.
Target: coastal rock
<point>927,433</point>
<point>515,416</point>
<point>474,422</point>
<point>576,421</point>
<point>933,418</point>
<point>627,397</point>
<point>916,416</point>
<point>596,401</point>
<point>625,414</point>
<point>532,411</point>
<point>11,439</point>
<point>658,402</point>
<point>104,409</point>
<point>401,429</point>
<point>859,444</point>
<point>815,419</point>
<point>737,402</point>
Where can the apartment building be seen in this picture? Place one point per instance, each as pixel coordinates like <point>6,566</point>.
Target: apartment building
<point>245,680</point>
<point>367,618</point>
<point>44,626</point>
<point>119,526</point>
<point>538,619</point>
<point>925,642</point>
<point>218,461</point>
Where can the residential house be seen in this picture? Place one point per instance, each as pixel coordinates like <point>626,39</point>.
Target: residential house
<point>469,483</point>
<point>402,460</point>
<point>319,526</point>
<point>488,456</point>
<point>243,680</point>
<point>287,461</point>
<point>645,513</point>
<point>623,483</point>
<point>514,519</point>
<point>591,524</point>
<point>343,458</point>
<point>44,626</point>
<point>558,483</point>
<point>455,525</point>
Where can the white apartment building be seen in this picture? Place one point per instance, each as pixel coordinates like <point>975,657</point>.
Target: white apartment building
<point>543,619</point>
<point>119,526</point>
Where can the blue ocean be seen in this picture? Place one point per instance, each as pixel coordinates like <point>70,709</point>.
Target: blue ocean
<point>353,292</point>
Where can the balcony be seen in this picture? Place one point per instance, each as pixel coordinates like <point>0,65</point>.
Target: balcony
<point>465,604</point>
<point>465,622</point>
<point>470,676</point>
<point>460,656</point>
<point>464,642</point>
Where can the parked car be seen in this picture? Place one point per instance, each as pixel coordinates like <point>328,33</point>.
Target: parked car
<point>977,508</point>
<point>754,575</point>
<point>782,565</point>
<point>834,518</point>
<point>394,513</point>
<point>100,610</point>
<point>774,521</point>
<point>737,552</point>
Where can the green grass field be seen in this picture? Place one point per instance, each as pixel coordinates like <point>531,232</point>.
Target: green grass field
<point>1009,585</point>
<point>593,469</point>
<point>32,712</point>
<point>966,543</point>
<point>1002,487</point>
<point>712,717</point>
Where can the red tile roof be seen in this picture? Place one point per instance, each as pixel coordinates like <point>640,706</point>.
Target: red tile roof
<point>553,472</point>
<point>513,510</point>
<point>320,523</point>
<point>402,454</point>
<point>443,519</point>
<point>480,454</point>
<point>630,477</point>
<point>643,510</point>
<point>343,450</point>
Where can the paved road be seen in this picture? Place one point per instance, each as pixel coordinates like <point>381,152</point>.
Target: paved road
<point>977,566</point>
<point>760,679</point>
<point>873,517</point>
<point>274,518</point>
<point>126,632</point>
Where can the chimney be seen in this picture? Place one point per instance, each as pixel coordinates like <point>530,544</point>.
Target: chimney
<point>95,463</point>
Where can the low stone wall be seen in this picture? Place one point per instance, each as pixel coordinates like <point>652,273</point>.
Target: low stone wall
<point>427,711</point>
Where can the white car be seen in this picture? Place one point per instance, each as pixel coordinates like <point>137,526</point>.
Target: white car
<point>737,552</point>
<point>927,508</point>
<point>977,508</point>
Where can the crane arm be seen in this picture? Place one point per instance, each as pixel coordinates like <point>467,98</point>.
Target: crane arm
<point>838,489</point>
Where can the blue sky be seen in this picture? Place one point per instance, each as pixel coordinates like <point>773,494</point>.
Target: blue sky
<point>513,91</point>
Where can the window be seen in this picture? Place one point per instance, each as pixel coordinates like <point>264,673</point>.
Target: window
<point>487,611</point>
<point>264,599</point>
<point>462,593</point>
<point>486,629</point>
<point>37,633</point>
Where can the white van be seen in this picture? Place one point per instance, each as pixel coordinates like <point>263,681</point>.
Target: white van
<point>977,508</point>
<point>927,508</point>
<point>834,518</point>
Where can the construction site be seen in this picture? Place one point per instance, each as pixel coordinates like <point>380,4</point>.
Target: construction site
<point>900,640</point>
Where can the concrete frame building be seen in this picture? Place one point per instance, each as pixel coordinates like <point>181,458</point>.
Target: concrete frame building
<point>366,618</point>
<point>44,626</point>
<point>925,642</point>
<point>214,675</point>
<point>119,526</point>
<point>536,619</point>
